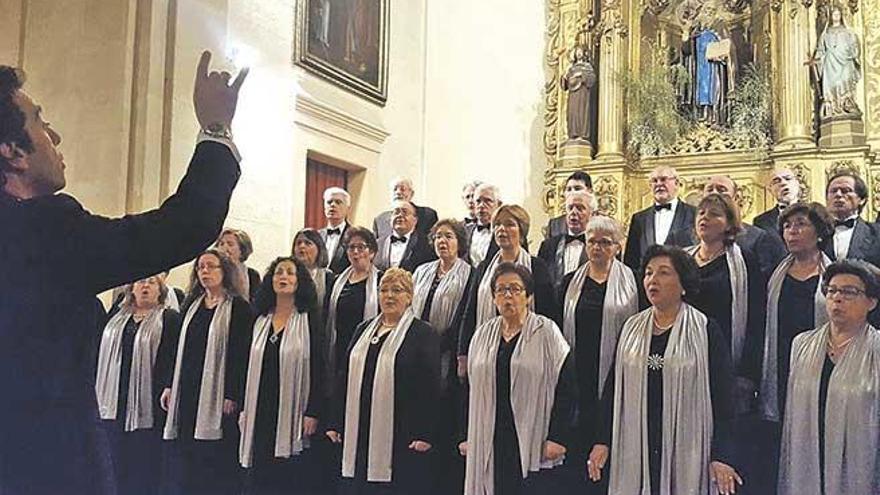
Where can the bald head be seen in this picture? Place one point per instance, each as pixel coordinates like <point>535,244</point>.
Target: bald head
<point>720,184</point>
<point>785,186</point>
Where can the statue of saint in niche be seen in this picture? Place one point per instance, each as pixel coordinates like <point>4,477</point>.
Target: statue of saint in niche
<point>837,63</point>
<point>709,58</point>
<point>579,81</point>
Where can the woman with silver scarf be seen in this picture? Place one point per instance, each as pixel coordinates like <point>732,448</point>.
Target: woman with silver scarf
<point>596,299</point>
<point>385,410</point>
<point>438,298</point>
<point>831,431</point>
<point>795,304</point>
<point>667,412</point>
<point>132,358</point>
<point>521,398</point>
<point>283,396</point>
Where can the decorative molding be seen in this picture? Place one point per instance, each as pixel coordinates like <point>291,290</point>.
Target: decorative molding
<point>875,191</point>
<point>776,5</point>
<point>802,173</point>
<point>323,112</point>
<point>606,189</point>
<point>551,86</point>
<point>872,70</point>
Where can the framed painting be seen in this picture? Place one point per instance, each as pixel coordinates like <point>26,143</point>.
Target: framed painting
<point>346,43</point>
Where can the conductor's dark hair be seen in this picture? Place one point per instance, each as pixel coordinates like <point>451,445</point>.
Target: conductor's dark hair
<point>12,119</point>
<point>305,297</point>
<point>867,273</point>
<point>581,176</point>
<point>683,263</point>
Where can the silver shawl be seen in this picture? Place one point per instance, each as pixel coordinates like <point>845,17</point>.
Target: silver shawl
<point>852,418</point>
<point>381,437</point>
<point>770,372</point>
<point>485,301</point>
<point>534,372</point>
<point>621,302</point>
<point>139,407</point>
<point>171,301</point>
<point>739,298</point>
<point>687,408</point>
<point>319,276</point>
<point>371,309</point>
<point>446,297</point>
<point>210,409</point>
<point>293,393</point>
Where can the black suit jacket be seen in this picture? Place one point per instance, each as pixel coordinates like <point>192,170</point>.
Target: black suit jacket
<point>56,257</point>
<point>552,252</point>
<point>641,232</point>
<point>418,250</point>
<point>769,221</point>
<point>427,218</point>
<point>338,258</point>
<point>767,247</point>
<point>490,252</point>
<point>556,226</point>
<point>864,245</point>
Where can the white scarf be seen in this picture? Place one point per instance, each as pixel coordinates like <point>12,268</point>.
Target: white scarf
<point>371,309</point>
<point>139,407</point>
<point>687,408</point>
<point>769,379</point>
<point>739,300</point>
<point>621,302</point>
<point>319,276</point>
<point>381,437</point>
<point>447,296</point>
<point>293,392</point>
<point>210,409</point>
<point>485,300</point>
<point>171,301</point>
<point>852,418</point>
<point>534,372</point>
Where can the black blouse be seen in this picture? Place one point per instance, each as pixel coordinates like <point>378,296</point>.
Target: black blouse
<point>349,314</point>
<point>797,308</point>
<point>192,366</point>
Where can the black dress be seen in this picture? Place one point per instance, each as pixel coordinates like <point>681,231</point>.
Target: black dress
<point>720,392</point>
<point>211,466</point>
<point>824,382</point>
<point>136,454</point>
<point>349,314</point>
<point>796,315</point>
<point>416,393</point>
<point>270,474</point>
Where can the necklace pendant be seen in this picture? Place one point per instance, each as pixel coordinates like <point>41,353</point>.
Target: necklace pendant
<point>374,340</point>
<point>273,338</point>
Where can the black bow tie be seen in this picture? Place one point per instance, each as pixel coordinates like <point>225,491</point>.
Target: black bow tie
<point>334,231</point>
<point>781,208</point>
<point>395,239</point>
<point>667,206</point>
<point>848,223</point>
<point>469,220</point>
<point>571,238</point>
<point>481,228</point>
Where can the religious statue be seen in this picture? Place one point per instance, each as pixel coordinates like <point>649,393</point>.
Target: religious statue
<point>579,81</point>
<point>837,65</point>
<point>709,58</point>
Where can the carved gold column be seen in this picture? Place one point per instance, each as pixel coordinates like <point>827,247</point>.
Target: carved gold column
<point>612,33</point>
<point>793,77</point>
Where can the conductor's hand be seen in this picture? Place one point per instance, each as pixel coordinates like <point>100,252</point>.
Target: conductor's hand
<point>214,97</point>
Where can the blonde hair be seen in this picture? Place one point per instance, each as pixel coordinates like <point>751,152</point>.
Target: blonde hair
<point>398,276</point>
<point>520,216</point>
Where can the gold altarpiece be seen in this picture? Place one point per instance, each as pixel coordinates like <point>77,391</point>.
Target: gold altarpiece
<point>780,34</point>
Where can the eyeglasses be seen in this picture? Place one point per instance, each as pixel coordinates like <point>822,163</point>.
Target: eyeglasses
<point>797,225</point>
<point>403,212</point>
<point>449,236</point>
<point>357,247</point>
<point>509,290</point>
<point>660,179</point>
<point>207,267</point>
<point>394,291</point>
<point>602,243</point>
<point>848,293</point>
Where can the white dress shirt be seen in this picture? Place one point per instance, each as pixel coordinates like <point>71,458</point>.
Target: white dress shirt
<point>396,249</point>
<point>333,239</point>
<point>842,239</point>
<point>480,241</point>
<point>663,222</point>
<point>573,252</point>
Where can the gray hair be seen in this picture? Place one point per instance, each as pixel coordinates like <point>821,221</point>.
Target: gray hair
<point>402,180</point>
<point>496,193</point>
<point>331,191</point>
<point>472,184</point>
<point>588,197</point>
<point>605,225</point>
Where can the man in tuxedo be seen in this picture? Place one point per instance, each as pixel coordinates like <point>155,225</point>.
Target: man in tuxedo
<point>402,190</point>
<point>768,248</point>
<point>578,181</point>
<point>659,223</point>
<point>406,247</point>
<point>564,253</point>
<point>482,244</point>
<point>57,256</point>
<point>337,204</point>
<point>846,195</point>
<point>467,197</point>
<point>786,189</point>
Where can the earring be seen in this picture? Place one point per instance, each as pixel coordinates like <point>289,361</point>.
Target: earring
<point>684,293</point>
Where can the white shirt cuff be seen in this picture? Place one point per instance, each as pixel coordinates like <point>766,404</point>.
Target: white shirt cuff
<point>228,142</point>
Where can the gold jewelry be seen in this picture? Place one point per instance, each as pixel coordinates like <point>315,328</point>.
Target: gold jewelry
<point>836,349</point>
<point>707,259</point>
